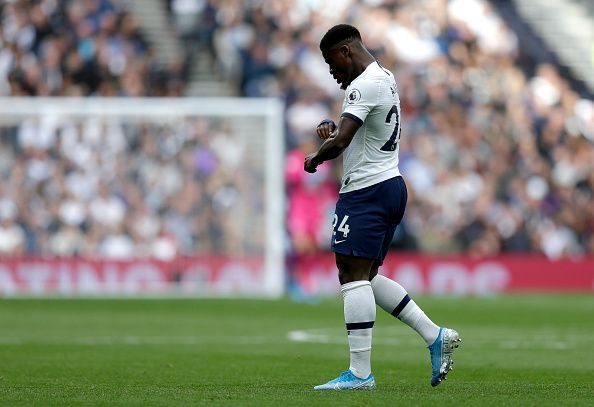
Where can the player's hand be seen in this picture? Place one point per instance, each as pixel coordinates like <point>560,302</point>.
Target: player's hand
<point>311,163</point>
<point>325,128</point>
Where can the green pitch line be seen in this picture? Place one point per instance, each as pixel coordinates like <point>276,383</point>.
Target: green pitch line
<point>516,350</point>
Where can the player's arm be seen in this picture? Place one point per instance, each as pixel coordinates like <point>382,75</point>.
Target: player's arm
<point>334,145</point>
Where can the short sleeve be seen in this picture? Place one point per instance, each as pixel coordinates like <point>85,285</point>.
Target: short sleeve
<point>359,100</point>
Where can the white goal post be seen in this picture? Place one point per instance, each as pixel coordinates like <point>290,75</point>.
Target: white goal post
<point>253,131</point>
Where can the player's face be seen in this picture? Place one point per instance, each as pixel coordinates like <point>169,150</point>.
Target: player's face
<point>341,69</point>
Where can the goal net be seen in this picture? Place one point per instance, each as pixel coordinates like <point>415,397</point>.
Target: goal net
<point>149,196</point>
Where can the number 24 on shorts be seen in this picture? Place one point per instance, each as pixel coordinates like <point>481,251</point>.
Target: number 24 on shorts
<point>343,227</point>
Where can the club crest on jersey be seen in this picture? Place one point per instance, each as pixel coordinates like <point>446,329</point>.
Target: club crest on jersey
<point>354,96</point>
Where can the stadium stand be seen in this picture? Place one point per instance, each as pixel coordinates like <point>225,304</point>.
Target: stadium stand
<point>498,151</point>
<point>497,148</point>
<point>567,27</point>
<point>63,48</point>
<point>69,189</point>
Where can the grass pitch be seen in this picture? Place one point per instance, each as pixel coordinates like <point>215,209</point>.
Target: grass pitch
<point>516,350</point>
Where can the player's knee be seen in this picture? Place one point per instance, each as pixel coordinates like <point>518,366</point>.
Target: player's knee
<point>351,271</point>
<point>373,272</point>
<point>351,268</point>
<point>345,277</point>
<point>344,272</point>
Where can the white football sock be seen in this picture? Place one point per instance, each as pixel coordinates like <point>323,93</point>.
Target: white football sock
<point>394,299</point>
<point>359,317</point>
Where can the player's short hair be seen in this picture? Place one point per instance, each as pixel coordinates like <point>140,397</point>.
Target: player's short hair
<point>339,33</point>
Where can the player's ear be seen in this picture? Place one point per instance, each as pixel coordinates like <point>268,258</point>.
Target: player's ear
<point>345,50</point>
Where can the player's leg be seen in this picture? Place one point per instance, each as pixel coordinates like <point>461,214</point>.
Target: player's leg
<point>359,310</point>
<point>441,342</point>
<point>390,295</point>
<point>394,299</point>
<point>359,317</point>
<point>358,234</point>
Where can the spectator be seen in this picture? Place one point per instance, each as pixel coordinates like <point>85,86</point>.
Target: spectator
<point>12,236</point>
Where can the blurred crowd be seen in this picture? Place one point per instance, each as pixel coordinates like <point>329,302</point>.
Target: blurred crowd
<point>77,48</point>
<point>122,189</point>
<point>498,154</point>
<point>111,188</point>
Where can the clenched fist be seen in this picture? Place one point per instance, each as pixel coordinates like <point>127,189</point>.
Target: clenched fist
<point>311,163</point>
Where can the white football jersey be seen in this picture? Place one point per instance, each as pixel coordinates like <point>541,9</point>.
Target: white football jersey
<point>372,156</point>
